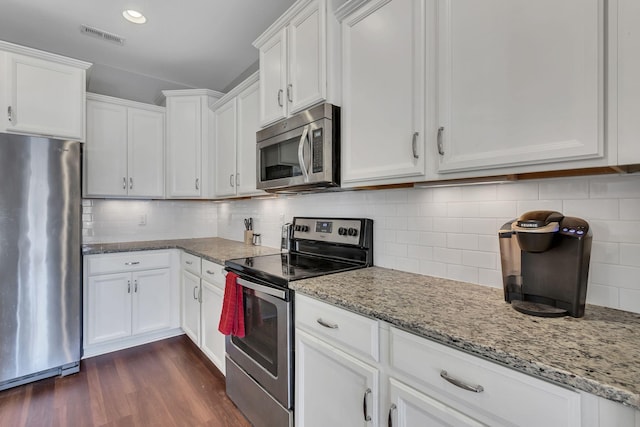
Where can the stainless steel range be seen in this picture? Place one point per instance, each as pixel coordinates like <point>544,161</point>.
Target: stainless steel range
<point>260,365</point>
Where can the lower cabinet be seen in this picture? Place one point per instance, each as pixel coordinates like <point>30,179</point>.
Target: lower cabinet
<point>129,299</point>
<point>202,295</point>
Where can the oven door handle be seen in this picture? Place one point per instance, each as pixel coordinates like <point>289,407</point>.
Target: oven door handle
<point>303,166</point>
<point>261,288</point>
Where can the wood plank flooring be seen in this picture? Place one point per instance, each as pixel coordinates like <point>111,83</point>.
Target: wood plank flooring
<point>166,383</point>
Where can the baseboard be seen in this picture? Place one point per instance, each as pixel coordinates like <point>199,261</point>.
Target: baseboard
<point>121,344</point>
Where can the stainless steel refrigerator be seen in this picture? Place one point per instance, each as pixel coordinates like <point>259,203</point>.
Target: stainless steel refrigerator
<point>40,273</point>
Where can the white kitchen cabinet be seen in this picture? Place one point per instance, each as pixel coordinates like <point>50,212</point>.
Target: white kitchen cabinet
<point>332,387</point>
<point>129,299</point>
<point>299,60</point>
<point>628,84</point>
<point>42,93</point>
<point>383,110</point>
<point>191,297</point>
<point>189,142</point>
<point>124,154</point>
<point>236,124</point>
<point>519,83</point>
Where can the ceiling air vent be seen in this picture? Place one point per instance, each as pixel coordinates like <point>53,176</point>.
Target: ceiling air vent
<point>104,35</point>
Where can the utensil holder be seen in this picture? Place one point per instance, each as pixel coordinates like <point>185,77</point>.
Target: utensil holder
<point>248,237</point>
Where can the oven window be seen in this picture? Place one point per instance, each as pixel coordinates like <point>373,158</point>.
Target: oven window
<point>261,331</point>
<point>280,160</point>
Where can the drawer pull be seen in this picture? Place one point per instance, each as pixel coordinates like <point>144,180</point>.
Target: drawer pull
<point>364,405</point>
<point>462,385</point>
<point>327,324</point>
<point>132,263</point>
<point>392,409</point>
<point>211,272</point>
<point>188,262</point>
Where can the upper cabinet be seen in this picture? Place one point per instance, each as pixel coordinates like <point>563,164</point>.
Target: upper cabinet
<point>383,110</point>
<point>299,60</point>
<point>124,154</point>
<point>42,93</point>
<point>236,123</point>
<point>628,83</point>
<point>519,83</point>
<point>189,142</point>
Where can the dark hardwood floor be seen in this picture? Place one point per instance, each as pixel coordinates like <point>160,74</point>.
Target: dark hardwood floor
<point>166,383</point>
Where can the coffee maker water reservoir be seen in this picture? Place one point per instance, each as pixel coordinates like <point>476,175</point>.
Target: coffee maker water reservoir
<point>545,263</point>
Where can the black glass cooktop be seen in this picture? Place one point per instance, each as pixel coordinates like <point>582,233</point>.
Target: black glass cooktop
<point>280,269</point>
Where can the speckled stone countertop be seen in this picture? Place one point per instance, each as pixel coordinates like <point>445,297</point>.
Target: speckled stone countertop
<point>599,353</point>
<point>214,249</point>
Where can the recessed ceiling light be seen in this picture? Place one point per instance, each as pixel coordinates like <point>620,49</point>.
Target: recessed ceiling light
<point>134,16</point>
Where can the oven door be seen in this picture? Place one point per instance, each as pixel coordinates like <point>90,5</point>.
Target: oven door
<point>265,351</point>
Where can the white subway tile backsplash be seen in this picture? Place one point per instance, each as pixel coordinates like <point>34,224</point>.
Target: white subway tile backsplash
<point>447,194</point>
<point>480,226</point>
<point>489,243</point>
<point>616,231</point>
<point>630,254</point>
<point>434,209</point>
<point>482,192</point>
<point>497,208</point>
<point>491,278</point>
<point>463,209</point>
<point>606,187</point>
<point>462,241</point>
<point>396,249</point>
<point>616,275</point>
<point>608,296</point>
<point>448,256</point>
<point>563,189</point>
<point>462,273</point>
<point>538,205</point>
<point>420,252</point>
<point>428,238</point>
<point>480,259</point>
<point>517,191</point>
<point>630,300</point>
<point>447,225</point>
<point>592,208</point>
<point>418,223</point>
<point>630,209</point>
<point>433,268</point>
<point>409,237</point>
<point>605,252</point>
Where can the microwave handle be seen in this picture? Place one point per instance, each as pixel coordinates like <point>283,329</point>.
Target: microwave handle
<point>303,139</point>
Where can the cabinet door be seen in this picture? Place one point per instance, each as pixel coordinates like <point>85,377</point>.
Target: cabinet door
<point>109,307</point>
<point>411,408</point>
<point>273,79</point>
<point>184,146</point>
<point>628,82</point>
<point>333,388</point>
<point>146,153</point>
<point>212,341</point>
<point>383,92</point>
<point>106,150</point>
<point>520,82</point>
<point>307,57</point>
<point>151,301</point>
<point>225,143</point>
<point>247,113</point>
<point>46,98</point>
<point>191,306</point>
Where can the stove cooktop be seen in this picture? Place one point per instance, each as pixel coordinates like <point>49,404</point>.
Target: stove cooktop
<point>280,269</point>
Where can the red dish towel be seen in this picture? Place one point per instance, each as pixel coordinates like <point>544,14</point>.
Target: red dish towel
<point>232,316</point>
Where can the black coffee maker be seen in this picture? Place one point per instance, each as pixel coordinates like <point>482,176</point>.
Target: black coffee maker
<point>545,263</point>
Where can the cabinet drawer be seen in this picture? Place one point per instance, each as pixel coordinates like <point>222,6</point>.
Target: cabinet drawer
<point>190,263</point>
<point>508,397</point>
<point>338,326</point>
<point>213,273</point>
<point>127,261</point>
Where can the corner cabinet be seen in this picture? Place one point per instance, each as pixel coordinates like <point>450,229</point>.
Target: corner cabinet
<point>519,83</point>
<point>189,143</point>
<point>129,299</point>
<point>124,153</point>
<point>236,124</point>
<point>299,60</point>
<point>384,74</point>
<point>42,93</point>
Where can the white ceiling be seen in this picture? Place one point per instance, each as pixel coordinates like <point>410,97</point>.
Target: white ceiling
<point>184,44</point>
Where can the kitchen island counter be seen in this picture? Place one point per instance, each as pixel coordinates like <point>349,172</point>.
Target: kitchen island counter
<point>599,353</point>
<point>214,249</point>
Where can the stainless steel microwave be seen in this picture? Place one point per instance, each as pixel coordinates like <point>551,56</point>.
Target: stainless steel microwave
<point>300,153</point>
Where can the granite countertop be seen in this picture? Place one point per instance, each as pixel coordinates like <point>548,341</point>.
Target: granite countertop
<point>215,249</point>
<point>599,353</point>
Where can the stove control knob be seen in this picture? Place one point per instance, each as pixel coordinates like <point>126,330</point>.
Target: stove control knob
<point>352,232</point>
<point>297,228</point>
<point>342,231</point>
<point>304,228</point>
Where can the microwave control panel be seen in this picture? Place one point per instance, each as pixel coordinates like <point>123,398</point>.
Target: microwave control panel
<point>318,156</point>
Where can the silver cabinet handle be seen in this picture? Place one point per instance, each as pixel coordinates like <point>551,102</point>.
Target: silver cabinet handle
<point>197,183</point>
<point>364,405</point>
<point>211,272</point>
<point>290,92</point>
<point>130,183</point>
<point>280,97</point>
<point>414,144</point>
<point>124,182</point>
<point>327,324</point>
<point>195,288</point>
<point>392,408</point>
<point>439,141</point>
<point>188,262</point>
<point>135,286</point>
<point>9,113</point>
<point>128,286</point>
<point>462,385</point>
<point>231,180</point>
<point>132,263</point>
